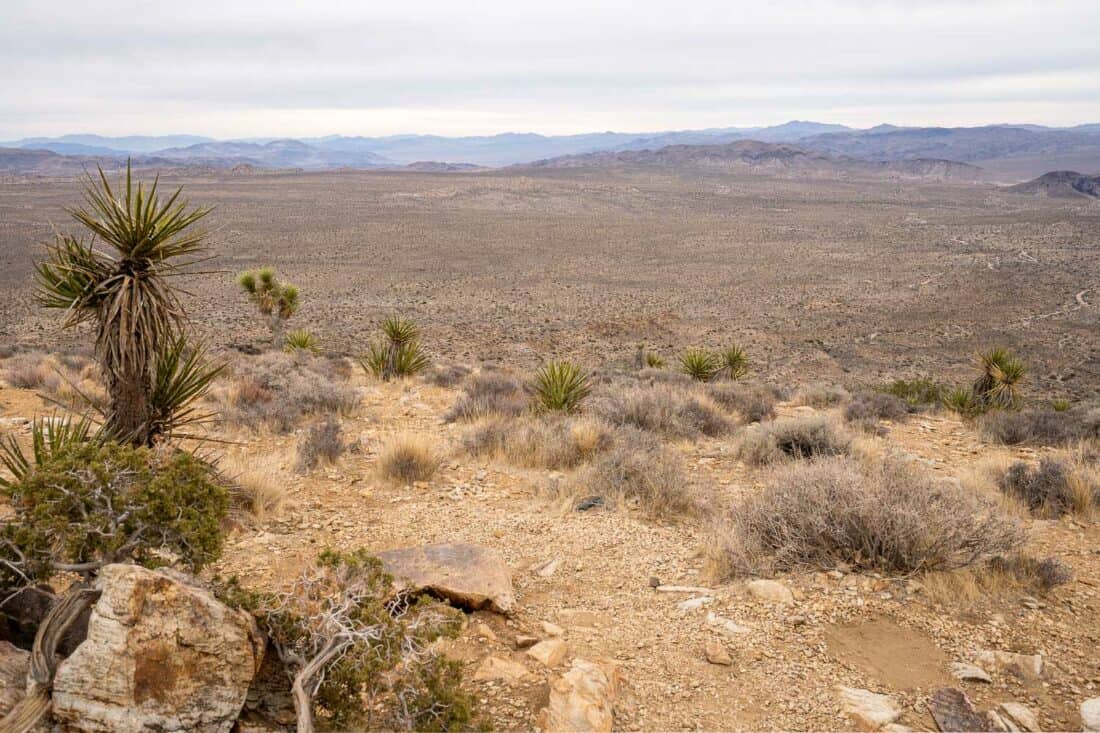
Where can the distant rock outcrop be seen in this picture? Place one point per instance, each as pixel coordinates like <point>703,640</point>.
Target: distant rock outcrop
<point>1061,184</point>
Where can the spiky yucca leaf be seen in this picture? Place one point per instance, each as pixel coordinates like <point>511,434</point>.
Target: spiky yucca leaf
<point>49,436</point>
<point>654,361</point>
<point>399,330</point>
<point>271,296</point>
<point>561,386</point>
<point>183,375</point>
<point>734,362</point>
<point>375,360</point>
<point>408,359</point>
<point>700,364</point>
<point>960,400</point>
<point>302,340</point>
<point>999,377</point>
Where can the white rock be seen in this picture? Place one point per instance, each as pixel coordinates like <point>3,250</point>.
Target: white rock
<point>970,673</point>
<point>693,603</point>
<point>582,700</point>
<point>771,591</point>
<point>1090,714</point>
<point>498,668</point>
<point>726,625</point>
<point>1028,666</point>
<point>550,652</point>
<point>868,710</point>
<point>1018,718</point>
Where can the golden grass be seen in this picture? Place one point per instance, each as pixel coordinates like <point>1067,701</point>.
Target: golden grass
<point>259,481</point>
<point>408,458</point>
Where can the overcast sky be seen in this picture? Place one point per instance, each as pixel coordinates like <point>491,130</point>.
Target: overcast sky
<point>232,68</point>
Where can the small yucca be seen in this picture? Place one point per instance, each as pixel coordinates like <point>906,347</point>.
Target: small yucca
<point>398,354</point>
<point>700,365</point>
<point>561,386</point>
<point>1060,404</point>
<point>654,361</point>
<point>960,400</point>
<point>300,340</point>
<point>998,380</point>
<point>734,362</point>
<point>399,330</point>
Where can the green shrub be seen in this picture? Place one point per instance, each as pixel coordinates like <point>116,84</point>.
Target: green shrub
<point>94,503</point>
<point>960,400</point>
<point>999,378</point>
<point>301,340</point>
<point>561,386</point>
<point>734,362</point>
<point>917,392</point>
<point>700,365</point>
<point>1060,404</point>
<point>398,354</point>
<point>654,361</point>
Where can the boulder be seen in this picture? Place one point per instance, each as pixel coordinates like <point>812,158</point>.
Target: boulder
<point>970,673</point>
<point>770,591</point>
<point>550,652</point>
<point>1090,715</point>
<point>582,700</point>
<point>498,668</point>
<point>868,710</point>
<point>14,664</point>
<point>1026,666</point>
<point>952,711</point>
<point>470,576</point>
<point>161,654</point>
<point>1018,718</point>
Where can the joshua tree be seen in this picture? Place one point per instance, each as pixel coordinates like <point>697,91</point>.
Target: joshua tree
<point>999,376</point>
<point>120,282</point>
<point>276,300</point>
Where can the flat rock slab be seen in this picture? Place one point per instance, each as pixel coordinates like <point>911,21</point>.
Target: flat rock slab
<point>1090,714</point>
<point>953,711</point>
<point>868,710</point>
<point>470,576</point>
<point>14,665</point>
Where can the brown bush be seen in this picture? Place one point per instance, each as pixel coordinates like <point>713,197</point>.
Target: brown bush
<point>322,443</point>
<point>1051,489</point>
<point>752,402</point>
<point>893,516</point>
<point>406,459</point>
<point>820,395</point>
<point>867,408</point>
<point>554,442</point>
<point>449,375</point>
<point>676,412</point>
<point>798,437</point>
<point>490,393</point>
<point>1041,426</point>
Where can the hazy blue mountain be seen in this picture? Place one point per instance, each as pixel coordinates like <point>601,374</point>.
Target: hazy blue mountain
<point>128,144</point>
<point>285,153</point>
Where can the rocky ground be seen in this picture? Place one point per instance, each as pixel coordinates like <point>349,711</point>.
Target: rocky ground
<point>706,655</point>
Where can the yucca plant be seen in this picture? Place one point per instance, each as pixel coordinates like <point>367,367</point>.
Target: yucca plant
<point>654,361</point>
<point>49,437</point>
<point>183,375</point>
<point>734,362</point>
<point>561,386</point>
<point>700,365</point>
<point>276,300</point>
<point>301,340</point>
<point>398,354</point>
<point>120,282</point>
<point>1060,404</point>
<point>960,400</point>
<point>999,377</point>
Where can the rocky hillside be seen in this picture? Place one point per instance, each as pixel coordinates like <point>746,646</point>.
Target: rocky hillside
<point>1061,184</point>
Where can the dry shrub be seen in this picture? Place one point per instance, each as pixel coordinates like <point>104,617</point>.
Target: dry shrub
<point>449,375</point>
<point>995,580</point>
<point>553,442</point>
<point>663,376</point>
<point>638,470</point>
<point>276,390</point>
<point>1053,488</point>
<point>490,393</point>
<point>68,380</point>
<point>1041,426</point>
<point>29,370</point>
<point>796,437</point>
<point>867,408</point>
<point>406,459</point>
<point>323,442</point>
<point>893,517</point>
<point>753,402</point>
<point>820,395</point>
<point>672,411</point>
<point>256,482</point>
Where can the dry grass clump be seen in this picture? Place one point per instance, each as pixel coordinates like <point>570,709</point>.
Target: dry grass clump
<point>489,393</point>
<point>406,459</point>
<point>1041,426</point>
<point>68,380</point>
<point>323,442</point>
<point>447,375</point>
<point>753,402</point>
<point>653,375</point>
<point>554,442</point>
<point>672,411</point>
<point>892,516</point>
<point>256,482</point>
<point>1001,577</point>
<point>276,390</point>
<point>28,370</point>
<point>820,395</point>
<point>638,471</point>
<point>797,437</point>
<point>868,408</point>
<point>1053,488</point>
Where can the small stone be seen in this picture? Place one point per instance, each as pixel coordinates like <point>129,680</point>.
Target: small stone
<point>970,673</point>
<point>771,591</point>
<point>484,632</point>
<point>1018,717</point>
<point>1090,715</point>
<point>725,625</point>
<point>716,653</point>
<point>552,629</point>
<point>868,710</point>
<point>549,568</point>
<point>1026,666</point>
<point>498,668</point>
<point>550,652</point>
<point>524,641</point>
<point>693,603</point>
<point>654,581</point>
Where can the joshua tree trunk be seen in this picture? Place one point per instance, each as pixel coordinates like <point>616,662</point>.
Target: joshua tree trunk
<point>276,325</point>
<point>130,415</point>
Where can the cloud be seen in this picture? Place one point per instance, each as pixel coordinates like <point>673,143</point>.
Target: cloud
<point>288,68</point>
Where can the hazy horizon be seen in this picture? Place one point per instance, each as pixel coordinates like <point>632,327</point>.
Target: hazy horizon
<point>276,69</point>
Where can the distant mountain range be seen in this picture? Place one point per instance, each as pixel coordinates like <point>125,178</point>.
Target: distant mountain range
<point>1061,184</point>
<point>1011,152</point>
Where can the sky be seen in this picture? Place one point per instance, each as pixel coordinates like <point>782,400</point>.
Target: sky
<point>261,68</point>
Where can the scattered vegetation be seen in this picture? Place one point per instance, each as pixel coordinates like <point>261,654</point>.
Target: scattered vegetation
<point>700,365</point>
<point>821,396</point>
<point>890,516</point>
<point>561,386</point>
<point>672,411</point>
<point>552,442</point>
<point>734,362</point>
<point>798,437</point>
<point>960,400</point>
<point>753,402</point>
<point>407,459</point>
<point>86,504</point>
<point>1041,426</point>
<point>918,392</point>
<point>487,394</point>
<point>654,361</point>
<point>322,443</point>
<point>638,470</point>
<point>868,408</point>
<point>1060,404</point>
<point>256,482</point>
<point>999,377</point>
<point>277,301</point>
<point>360,654</point>
<point>398,353</point>
<point>447,376</point>
<point>1051,489</point>
<point>301,341</point>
